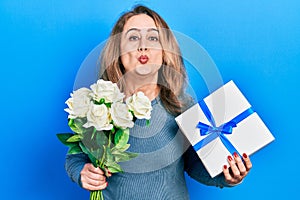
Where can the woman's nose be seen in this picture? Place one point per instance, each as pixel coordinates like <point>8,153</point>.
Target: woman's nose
<point>142,46</point>
<point>142,49</point>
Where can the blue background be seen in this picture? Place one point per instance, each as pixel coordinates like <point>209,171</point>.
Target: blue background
<point>43,42</point>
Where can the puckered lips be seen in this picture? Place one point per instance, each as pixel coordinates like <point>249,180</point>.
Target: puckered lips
<point>143,59</point>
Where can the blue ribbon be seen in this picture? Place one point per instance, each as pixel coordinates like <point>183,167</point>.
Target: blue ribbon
<point>212,131</point>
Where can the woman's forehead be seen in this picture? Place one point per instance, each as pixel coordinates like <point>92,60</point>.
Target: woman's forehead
<point>139,22</point>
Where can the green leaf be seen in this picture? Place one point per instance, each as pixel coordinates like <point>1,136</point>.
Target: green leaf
<point>63,137</point>
<point>108,155</point>
<point>98,153</point>
<point>147,122</point>
<point>88,139</point>
<point>70,122</point>
<point>83,148</point>
<point>76,125</point>
<point>113,167</point>
<point>132,155</point>
<point>93,133</point>
<point>124,148</point>
<point>121,138</point>
<point>101,138</point>
<point>108,105</point>
<point>91,154</point>
<point>102,100</point>
<point>93,160</point>
<point>74,149</point>
<point>70,145</point>
<point>123,156</point>
<point>75,138</point>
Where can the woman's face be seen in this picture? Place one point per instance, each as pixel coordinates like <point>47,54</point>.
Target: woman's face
<point>141,51</point>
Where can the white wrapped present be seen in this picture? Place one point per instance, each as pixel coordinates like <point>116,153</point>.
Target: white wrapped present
<point>221,124</point>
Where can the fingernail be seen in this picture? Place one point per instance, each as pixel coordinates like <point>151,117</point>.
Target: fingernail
<point>229,158</point>
<point>235,154</point>
<point>245,155</point>
<point>225,166</point>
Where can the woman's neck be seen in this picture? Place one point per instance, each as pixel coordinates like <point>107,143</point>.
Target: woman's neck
<point>151,91</point>
<point>149,87</point>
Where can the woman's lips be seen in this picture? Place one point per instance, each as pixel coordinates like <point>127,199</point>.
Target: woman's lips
<point>143,59</point>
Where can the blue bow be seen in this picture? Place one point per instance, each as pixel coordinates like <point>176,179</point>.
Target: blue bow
<point>212,131</point>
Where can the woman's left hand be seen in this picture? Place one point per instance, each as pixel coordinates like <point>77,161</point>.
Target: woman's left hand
<point>238,169</point>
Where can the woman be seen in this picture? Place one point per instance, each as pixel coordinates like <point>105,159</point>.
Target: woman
<point>143,55</point>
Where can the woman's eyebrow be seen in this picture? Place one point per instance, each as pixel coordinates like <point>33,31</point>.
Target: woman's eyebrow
<point>132,29</point>
<point>152,29</point>
<point>139,30</point>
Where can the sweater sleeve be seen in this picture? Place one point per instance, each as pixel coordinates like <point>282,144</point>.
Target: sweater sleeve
<point>74,164</point>
<point>196,170</point>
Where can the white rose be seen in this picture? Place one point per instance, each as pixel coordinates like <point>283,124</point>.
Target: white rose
<point>107,90</point>
<point>140,105</point>
<point>78,103</point>
<point>121,116</point>
<point>99,117</point>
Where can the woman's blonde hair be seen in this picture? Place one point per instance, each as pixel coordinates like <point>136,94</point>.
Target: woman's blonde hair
<point>172,74</point>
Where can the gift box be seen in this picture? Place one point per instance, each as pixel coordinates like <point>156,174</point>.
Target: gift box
<point>223,123</point>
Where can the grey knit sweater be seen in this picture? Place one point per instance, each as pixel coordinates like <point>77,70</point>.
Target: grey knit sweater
<point>158,172</point>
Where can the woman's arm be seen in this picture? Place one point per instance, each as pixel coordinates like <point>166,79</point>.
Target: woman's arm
<point>82,172</point>
<point>74,165</point>
<point>195,169</point>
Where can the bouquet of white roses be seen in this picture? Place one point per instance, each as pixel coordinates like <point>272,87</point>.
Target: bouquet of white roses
<point>100,121</point>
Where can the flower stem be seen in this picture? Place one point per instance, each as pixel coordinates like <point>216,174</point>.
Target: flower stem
<point>96,195</point>
<point>101,194</point>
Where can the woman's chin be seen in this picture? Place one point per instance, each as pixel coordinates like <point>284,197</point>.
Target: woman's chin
<point>144,70</point>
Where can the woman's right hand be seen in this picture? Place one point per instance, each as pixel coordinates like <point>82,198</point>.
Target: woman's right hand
<point>93,178</point>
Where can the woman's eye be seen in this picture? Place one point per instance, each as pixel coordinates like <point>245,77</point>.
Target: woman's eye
<point>133,38</point>
<point>153,38</point>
